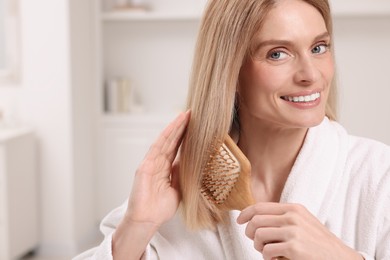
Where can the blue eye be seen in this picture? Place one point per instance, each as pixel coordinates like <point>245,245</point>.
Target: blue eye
<point>277,55</point>
<point>319,49</point>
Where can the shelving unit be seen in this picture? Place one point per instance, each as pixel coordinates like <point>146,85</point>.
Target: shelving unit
<point>153,50</point>
<point>150,48</point>
<point>18,192</point>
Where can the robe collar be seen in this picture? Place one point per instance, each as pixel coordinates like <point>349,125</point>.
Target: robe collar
<point>315,175</point>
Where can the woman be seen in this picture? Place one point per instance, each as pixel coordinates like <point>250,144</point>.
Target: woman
<point>264,72</point>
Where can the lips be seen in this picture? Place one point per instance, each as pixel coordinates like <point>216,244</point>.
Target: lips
<point>302,99</point>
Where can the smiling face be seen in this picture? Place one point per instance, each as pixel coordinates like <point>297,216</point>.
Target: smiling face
<point>286,80</point>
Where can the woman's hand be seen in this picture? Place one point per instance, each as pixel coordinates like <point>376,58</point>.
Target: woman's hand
<point>155,195</point>
<point>290,230</point>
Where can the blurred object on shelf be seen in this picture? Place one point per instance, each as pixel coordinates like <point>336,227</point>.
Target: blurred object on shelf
<point>120,97</point>
<point>137,2</point>
<point>121,3</point>
<point>130,5</point>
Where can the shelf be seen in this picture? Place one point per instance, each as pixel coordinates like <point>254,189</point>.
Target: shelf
<point>340,9</point>
<point>171,15</point>
<point>137,120</point>
<point>7,133</point>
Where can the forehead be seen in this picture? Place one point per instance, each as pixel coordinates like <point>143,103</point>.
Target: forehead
<point>292,19</point>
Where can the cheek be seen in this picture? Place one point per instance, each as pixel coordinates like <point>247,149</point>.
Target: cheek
<point>328,70</point>
<point>262,80</point>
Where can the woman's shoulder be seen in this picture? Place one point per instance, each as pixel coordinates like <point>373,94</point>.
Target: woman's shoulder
<point>363,149</point>
<point>369,163</point>
<point>366,158</point>
<point>369,150</point>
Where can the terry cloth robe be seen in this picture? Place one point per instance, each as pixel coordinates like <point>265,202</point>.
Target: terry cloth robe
<point>341,179</point>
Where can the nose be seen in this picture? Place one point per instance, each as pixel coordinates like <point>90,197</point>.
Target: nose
<point>306,71</point>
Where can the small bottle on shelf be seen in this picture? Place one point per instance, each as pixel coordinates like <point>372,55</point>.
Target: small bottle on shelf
<point>120,97</point>
<point>130,5</point>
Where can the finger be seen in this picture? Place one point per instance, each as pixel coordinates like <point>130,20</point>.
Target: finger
<point>264,236</point>
<point>277,251</point>
<point>175,176</point>
<point>170,131</point>
<point>272,208</point>
<point>169,135</point>
<point>264,221</point>
<point>172,141</point>
<point>173,146</point>
<point>262,208</point>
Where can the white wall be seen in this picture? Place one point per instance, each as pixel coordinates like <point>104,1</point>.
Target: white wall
<point>363,55</point>
<point>84,93</point>
<point>54,97</point>
<point>44,102</point>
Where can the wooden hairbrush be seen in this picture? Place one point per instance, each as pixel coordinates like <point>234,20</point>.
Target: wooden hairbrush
<point>226,177</point>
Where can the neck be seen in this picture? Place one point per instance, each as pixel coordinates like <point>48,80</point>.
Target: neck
<point>272,150</point>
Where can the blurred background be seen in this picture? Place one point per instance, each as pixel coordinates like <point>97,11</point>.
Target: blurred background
<point>85,87</point>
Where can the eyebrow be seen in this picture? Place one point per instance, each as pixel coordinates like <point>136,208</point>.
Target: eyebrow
<point>286,42</point>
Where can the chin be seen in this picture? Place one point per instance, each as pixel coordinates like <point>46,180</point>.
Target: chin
<point>310,120</point>
<point>318,121</point>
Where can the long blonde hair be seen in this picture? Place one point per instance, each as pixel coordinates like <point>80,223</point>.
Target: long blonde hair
<point>224,40</point>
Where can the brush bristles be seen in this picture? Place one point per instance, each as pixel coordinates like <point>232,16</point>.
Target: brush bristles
<point>226,177</point>
<point>220,175</point>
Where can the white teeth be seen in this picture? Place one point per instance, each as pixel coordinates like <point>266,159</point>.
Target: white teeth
<point>308,98</point>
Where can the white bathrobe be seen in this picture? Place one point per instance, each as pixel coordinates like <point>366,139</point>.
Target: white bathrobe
<point>341,179</point>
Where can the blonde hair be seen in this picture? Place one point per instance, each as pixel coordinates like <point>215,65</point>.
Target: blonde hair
<point>224,40</point>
